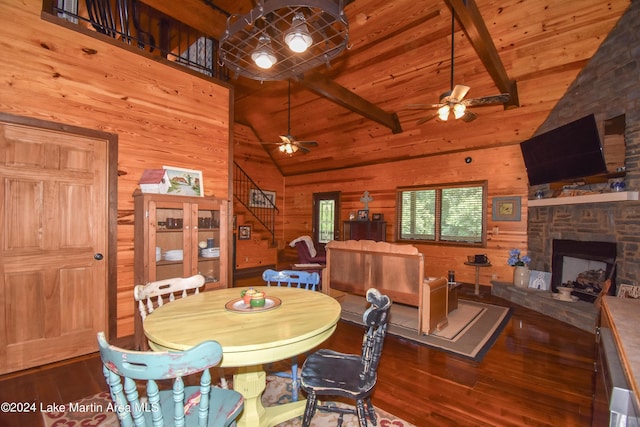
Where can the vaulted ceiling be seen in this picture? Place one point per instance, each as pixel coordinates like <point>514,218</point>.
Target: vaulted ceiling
<point>400,54</point>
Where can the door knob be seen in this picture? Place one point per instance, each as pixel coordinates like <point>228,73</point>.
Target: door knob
<point>98,256</point>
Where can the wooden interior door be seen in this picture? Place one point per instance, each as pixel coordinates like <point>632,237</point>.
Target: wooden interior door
<point>54,244</point>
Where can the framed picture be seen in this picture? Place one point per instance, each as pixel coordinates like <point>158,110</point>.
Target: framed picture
<point>377,217</point>
<point>262,199</point>
<point>628,291</point>
<point>363,215</point>
<point>184,182</point>
<point>506,209</point>
<point>244,232</point>
<point>540,280</point>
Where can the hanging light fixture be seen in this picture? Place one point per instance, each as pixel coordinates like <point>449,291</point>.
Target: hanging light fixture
<point>263,56</point>
<point>292,36</point>
<point>458,110</point>
<point>298,38</point>
<point>288,148</point>
<point>443,113</point>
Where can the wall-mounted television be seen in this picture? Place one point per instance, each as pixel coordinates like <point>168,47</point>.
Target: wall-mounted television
<point>569,152</point>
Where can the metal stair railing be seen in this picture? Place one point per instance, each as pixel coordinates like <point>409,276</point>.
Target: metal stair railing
<point>260,204</point>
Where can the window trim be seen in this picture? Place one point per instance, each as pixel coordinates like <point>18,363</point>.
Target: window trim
<point>440,187</point>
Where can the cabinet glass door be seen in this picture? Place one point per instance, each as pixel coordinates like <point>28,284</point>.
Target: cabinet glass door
<point>207,239</point>
<point>169,256</point>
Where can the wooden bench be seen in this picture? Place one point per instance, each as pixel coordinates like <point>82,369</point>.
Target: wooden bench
<point>396,270</point>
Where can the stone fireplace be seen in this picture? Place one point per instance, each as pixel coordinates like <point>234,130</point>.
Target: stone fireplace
<point>607,87</point>
<point>583,266</point>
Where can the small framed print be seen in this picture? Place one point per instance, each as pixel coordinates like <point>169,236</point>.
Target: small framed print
<point>363,215</point>
<point>244,232</point>
<point>628,291</point>
<point>377,217</point>
<point>184,182</point>
<point>506,209</point>
<point>540,280</point>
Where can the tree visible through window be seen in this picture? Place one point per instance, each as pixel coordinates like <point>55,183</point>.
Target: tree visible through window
<point>453,214</point>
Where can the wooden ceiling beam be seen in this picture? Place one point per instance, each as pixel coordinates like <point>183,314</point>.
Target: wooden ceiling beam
<point>331,90</point>
<point>474,27</point>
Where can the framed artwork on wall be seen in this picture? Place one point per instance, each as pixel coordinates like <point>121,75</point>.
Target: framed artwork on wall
<point>244,232</point>
<point>262,199</point>
<point>506,208</point>
<point>184,182</point>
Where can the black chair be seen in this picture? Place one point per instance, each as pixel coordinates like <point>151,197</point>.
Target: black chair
<point>329,373</point>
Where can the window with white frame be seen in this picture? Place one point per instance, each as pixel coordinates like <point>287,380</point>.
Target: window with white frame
<point>451,213</point>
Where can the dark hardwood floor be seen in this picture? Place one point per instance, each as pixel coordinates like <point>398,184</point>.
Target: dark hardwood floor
<point>538,373</point>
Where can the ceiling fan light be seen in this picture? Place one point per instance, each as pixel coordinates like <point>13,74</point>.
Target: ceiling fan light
<point>298,38</point>
<point>443,113</point>
<point>458,110</point>
<point>263,56</point>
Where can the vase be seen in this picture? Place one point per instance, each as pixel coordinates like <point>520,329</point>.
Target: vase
<point>521,276</point>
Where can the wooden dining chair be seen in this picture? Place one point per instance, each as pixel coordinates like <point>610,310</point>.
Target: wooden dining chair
<point>330,373</point>
<point>197,405</point>
<point>298,279</point>
<point>292,278</point>
<point>155,294</point>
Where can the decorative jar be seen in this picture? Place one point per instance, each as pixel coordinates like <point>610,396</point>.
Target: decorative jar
<point>521,276</point>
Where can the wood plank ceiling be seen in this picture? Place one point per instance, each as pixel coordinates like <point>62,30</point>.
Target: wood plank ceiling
<point>400,54</point>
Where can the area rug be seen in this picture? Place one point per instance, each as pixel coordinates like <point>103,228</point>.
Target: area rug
<point>92,411</point>
<point>471,331</point>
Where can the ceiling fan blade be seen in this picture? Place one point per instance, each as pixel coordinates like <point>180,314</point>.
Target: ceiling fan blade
<point>469,116</point>
<point>459,92</point>
<point>487,100</point>
<point>307,143</point>
<point>305,150</point>
<point>426,119</point>
<point>423,106</point>
<point>287,139</point>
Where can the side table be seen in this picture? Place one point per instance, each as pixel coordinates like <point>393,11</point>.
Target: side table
<point>478,266</point>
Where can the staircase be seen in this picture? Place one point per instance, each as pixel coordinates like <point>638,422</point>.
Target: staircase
<point>257,252</point>
<point>255,209</point>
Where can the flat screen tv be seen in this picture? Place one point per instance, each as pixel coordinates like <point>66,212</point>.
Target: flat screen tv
<point>571,151</point>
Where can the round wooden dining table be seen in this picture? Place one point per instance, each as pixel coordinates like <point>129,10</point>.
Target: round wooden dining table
<point>292,322</point>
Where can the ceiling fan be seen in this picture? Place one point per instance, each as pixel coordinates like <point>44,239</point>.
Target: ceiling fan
<point>453,100</point>
<point>288,143</point>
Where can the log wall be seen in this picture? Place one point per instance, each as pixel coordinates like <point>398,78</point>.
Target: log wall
<point>502,167</point>
<point>162,115</point>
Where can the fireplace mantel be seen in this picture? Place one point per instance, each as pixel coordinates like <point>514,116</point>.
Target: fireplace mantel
<point>618,196</point>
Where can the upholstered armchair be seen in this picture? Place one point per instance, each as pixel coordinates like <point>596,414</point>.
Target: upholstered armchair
<point>302,245</point>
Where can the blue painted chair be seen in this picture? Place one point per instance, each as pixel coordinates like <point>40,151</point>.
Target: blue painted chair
<point>292,278</point>
<point>352,376</point>
<point>200,405</point>
<point>298,279</point>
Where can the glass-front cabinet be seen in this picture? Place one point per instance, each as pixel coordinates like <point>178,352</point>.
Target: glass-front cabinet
<point>179,236</point>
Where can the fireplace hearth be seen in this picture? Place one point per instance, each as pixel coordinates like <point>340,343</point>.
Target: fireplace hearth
<point>583,266</point>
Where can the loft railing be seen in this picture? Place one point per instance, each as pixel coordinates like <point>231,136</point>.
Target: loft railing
<point>135,23</point>
<point>260,204</point>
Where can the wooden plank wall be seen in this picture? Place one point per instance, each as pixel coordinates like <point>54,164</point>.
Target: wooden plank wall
<point>162,116</point>
<point>502,167</point>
